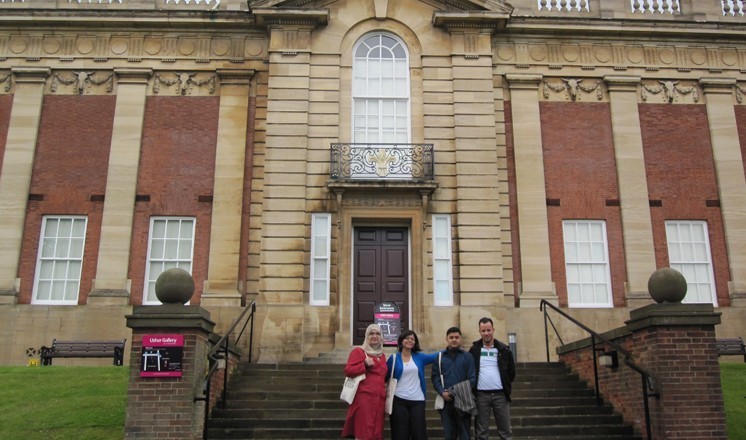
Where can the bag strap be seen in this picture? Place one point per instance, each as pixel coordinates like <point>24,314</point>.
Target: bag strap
<point>440,368</point>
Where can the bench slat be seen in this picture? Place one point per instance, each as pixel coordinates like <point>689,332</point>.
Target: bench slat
<point>84,349</point>
<point>731,347</point>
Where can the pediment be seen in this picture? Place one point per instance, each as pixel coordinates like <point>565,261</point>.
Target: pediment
<point>497,6</point>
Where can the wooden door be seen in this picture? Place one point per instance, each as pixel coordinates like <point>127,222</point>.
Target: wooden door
<point>381,273</point>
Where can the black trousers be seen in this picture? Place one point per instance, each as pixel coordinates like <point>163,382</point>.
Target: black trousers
<point>408,420</point>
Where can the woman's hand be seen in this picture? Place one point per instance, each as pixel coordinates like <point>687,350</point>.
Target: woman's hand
<point>369,361</point>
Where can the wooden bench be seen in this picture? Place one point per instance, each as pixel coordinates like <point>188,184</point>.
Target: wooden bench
<point>731,346</point>
<point>84,349</point>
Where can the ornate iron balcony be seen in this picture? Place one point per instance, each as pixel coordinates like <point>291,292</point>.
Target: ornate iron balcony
<point>413,162</point>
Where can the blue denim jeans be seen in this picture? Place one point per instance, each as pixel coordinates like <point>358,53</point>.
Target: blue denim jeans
<point>455,425</point>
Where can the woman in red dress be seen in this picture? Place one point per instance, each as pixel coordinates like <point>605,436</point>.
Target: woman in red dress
<point>365,416</point>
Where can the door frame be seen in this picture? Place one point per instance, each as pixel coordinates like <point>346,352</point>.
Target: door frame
<point>406,216</point>
<point>378,225</point>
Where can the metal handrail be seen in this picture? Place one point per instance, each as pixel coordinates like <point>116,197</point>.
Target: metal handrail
<point>220,351</point>
<point>648,383</point>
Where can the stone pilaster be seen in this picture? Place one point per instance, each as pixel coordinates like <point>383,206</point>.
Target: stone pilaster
<point>477,214</point>
<point>531,191</point>
<point>726,151</point>
<point>15,176</point>
<point>111,284</point>
<point>222,286</point>
<point>633,188</point>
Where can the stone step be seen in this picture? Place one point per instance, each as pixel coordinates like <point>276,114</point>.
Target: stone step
<point>301,401</point>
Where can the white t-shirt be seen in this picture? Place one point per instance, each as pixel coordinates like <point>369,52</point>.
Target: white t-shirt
<point>408,387</point>
<point>489,375</point>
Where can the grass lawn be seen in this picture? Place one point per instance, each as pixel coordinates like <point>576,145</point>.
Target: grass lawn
<point>733,378</point>
<point>88,403</point>
<point>55,403</point>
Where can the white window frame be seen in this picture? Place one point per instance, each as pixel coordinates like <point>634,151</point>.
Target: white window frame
<point>361,133</point>
<point>442,261</point>
<point>320,275</point>
<point>56,255</point>
<point>692,237</point>
<point>157,265</point>
<point>587,267</point>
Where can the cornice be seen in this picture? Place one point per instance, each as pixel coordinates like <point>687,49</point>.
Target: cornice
<point>300,17</point>
<point>471,19</point>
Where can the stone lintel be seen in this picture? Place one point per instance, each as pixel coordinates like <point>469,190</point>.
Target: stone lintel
<point>133,75</point>
<point>170,316</point>
<point>31,74</point>
<point>668,314</point>
<point>718,85</point>
<point>622,83</point>
<point>235,76</point>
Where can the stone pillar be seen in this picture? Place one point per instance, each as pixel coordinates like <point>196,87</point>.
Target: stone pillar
<point>726,151</point>
<point>676,343</point>
<point>633,188</point>
<point>15,176</point>
<point>111,285</point>
<point>222,287</point>
<point>531,193</point>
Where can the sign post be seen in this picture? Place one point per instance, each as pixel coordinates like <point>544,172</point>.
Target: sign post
<point>387,317</point>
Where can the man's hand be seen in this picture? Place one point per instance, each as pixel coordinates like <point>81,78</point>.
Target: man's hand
<point>447,396</point>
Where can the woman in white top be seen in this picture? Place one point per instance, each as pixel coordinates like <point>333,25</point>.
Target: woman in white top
<point>407,366</point>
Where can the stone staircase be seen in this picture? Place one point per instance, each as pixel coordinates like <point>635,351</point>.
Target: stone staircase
<point>301,401</point>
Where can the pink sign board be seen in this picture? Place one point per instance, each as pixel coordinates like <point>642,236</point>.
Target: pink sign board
<point>162,355</point>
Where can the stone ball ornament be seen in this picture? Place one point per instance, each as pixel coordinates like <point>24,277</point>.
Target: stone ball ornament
<point>667,285</point>
<point>174,286</point>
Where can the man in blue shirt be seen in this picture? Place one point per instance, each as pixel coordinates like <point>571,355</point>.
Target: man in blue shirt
<point>454,365</point>
<point>495,369</point>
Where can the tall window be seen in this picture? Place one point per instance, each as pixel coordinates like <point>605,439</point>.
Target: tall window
<point>442,263</point>
<point>171,244</point>
<point>689,253</point>
<point>60,260</point>
<point>321,227</point>
<point>380,90</point>
<point>587,263</point>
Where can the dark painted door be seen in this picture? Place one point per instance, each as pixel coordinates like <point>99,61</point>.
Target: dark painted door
<point>381,273</point>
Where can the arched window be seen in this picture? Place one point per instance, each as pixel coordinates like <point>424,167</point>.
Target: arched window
<point>380,90</point>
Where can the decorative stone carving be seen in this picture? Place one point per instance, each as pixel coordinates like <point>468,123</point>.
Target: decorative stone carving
<point>739,94</point>
<point>667,285</point>
<point>669,91</point>
<point>184,83</point>
<point>571,87</point>
<point>8,80</point>
<point>82,82</point>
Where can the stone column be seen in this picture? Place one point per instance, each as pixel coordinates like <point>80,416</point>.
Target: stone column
<point>222,287</point>
<point>531,191</point>
<point>726,149</point>
<point>676,343</point>
<point>637,225</point>
<point>111,285</point>
<point>15,176</point>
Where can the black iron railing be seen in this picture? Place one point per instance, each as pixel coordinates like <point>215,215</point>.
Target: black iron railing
<point>648,384</point>
<point>219,354</point>
<point>382,162</point>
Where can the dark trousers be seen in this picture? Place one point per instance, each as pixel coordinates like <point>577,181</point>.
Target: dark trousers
<point>408,420</point>
<point>456,425</point>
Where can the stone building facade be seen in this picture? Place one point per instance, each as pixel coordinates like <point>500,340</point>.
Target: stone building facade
<point>462,158</point>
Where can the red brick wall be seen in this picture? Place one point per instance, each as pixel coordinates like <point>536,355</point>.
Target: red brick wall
<point>159,407</point>
<point>177,165</point>
<point>6,105</point>
<point>683,363</point>
<point>70,165</point>
<point>681,174</point>
<point>580,175</point>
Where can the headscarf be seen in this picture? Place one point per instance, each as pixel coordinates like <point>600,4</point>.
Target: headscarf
<point>369,349</point>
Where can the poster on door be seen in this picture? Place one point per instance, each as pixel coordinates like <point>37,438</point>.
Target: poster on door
<point>387,316</point>
<point>161,355</point>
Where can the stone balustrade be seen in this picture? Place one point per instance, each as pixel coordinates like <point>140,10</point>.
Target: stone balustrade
<point>687,10</point>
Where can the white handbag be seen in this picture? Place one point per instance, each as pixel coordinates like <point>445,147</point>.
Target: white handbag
<point>439,402</point>
<point>350,388</point>
<point>391,389</point>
